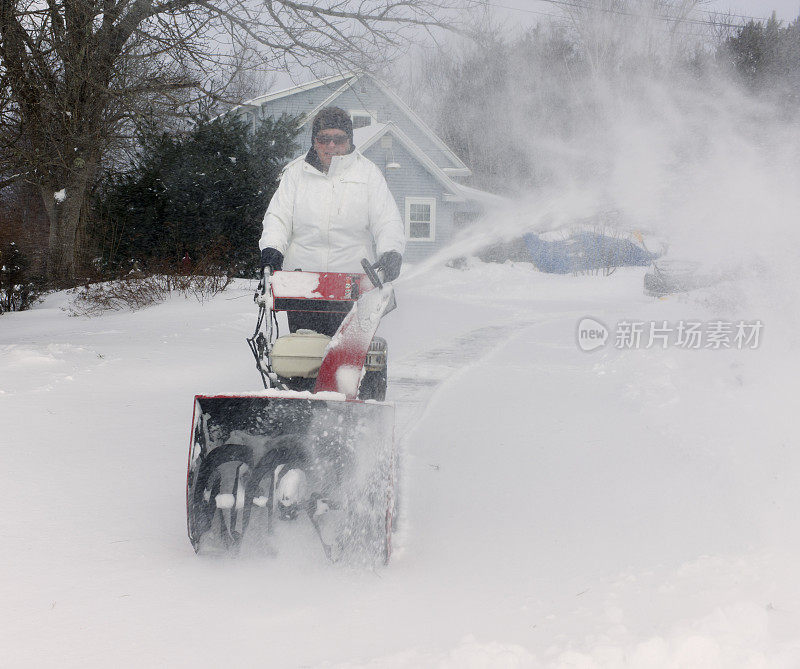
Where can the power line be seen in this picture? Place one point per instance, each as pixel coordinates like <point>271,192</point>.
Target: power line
<point>620,12</point>
<point>731,14</point>
<point>675,20</point>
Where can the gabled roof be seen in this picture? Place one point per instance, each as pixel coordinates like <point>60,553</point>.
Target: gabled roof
<point>482,196</point>
<point>365,140</point>
<point>349,79</point>
<point>269,97</point>
<point>461,169</point>
<point>368,135</point>
<point>327,101</point>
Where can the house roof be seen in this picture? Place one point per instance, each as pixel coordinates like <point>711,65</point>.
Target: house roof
<point>347,80</point>
<point>364,140</point>
<point>460,168</point>
<point>366,136</point>
<point>269,97</point>
<point>481,196</point>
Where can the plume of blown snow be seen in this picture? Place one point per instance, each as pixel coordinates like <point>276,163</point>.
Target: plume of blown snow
<point>685,155</point>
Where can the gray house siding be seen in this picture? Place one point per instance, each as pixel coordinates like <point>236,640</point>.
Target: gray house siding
<point>413,180</point>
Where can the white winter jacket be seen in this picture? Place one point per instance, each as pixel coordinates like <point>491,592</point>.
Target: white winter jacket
<point>329,222</point>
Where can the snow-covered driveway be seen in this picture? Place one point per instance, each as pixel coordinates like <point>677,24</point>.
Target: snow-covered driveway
<point>559,508</point>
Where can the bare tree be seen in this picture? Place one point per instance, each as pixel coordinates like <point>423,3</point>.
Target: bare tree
<point>74,74</point>
<point>640,35</point>
<point>530,109</point>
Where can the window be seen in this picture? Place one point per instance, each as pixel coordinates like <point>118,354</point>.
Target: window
<point>420,218</point>
<point>361,118</point>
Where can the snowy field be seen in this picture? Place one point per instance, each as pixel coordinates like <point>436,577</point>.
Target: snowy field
<point>626,507</point>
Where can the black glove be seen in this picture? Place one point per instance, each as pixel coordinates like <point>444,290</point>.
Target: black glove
<point>390,263</point>
<point>271,258</point>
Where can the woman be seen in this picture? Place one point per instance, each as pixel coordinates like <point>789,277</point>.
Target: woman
<point>331,209</point>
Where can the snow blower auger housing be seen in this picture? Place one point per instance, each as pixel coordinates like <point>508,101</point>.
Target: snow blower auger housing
<point>317,443</point>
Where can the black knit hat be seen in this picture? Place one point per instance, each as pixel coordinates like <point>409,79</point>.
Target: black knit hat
<point>332,118</point>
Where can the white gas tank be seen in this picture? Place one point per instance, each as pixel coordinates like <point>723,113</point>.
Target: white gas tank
<point>299,354</point>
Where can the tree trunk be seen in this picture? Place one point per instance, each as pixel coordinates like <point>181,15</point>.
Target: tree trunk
<point>67,227</point>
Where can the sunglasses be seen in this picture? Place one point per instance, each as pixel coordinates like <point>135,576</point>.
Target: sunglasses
<point>339,140</point>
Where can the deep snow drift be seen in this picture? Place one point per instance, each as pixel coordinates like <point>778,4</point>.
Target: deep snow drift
<point>624,507</point>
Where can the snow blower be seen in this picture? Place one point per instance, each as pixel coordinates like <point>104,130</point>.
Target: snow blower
<point>317,444</point>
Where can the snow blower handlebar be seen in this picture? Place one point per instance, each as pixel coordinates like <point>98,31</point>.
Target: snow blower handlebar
<point>266,273</point>
<point>372,275</point>
<point>263,280</point>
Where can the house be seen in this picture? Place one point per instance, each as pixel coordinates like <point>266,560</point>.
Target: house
<point>422,171</point>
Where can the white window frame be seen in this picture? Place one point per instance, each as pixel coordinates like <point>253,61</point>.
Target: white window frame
<point>373,116</point>
<point>421,200</point>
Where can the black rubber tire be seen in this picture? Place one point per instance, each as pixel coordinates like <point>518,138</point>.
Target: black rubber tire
<point>373,386</point>
<point>201,513</point>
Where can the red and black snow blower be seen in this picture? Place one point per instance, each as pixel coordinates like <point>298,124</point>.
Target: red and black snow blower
<point>316,443</point>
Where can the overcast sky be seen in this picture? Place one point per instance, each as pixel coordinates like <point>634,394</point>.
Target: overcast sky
<point>531,11</point>
<point>787,10</point>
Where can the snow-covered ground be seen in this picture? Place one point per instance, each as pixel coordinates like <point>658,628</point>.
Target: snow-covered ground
<point>630,507</point>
